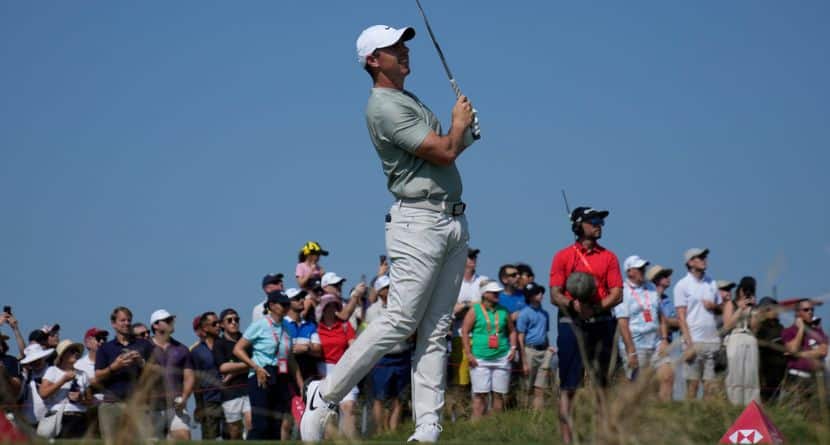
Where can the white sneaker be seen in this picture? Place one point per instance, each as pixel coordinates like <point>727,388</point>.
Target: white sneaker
<point>426,433</point>
<point>316,415</point>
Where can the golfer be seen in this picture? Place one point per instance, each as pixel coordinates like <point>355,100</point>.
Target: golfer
<point>426,237</point>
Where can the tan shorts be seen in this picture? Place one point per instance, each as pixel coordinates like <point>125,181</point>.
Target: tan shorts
<point>702,367</point>
<point>539,362</point>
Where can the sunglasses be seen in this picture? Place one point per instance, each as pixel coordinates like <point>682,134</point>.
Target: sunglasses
<point>806,309</point>
<point>100,339</point>
<point>145,334</point>
<point>232,320</point>
<point>596,222</point>
<point>513,275</point>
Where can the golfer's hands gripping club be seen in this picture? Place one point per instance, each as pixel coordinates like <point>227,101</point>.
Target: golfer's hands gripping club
<point>462,113</point>
<point>474,128</point>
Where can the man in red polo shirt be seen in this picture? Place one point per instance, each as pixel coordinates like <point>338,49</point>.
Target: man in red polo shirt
<point>592,320</point>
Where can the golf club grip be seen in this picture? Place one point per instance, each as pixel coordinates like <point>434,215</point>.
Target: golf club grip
<point>475,128</point>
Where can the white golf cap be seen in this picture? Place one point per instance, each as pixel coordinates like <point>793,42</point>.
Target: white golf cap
<point>634,262</point>
<point>382,281</point>
<point>160,314</point>
<point>293,293</point>
<point>490,286</point>
<point>694,252</point>
<point>380,36</point>
<point>330,278</point>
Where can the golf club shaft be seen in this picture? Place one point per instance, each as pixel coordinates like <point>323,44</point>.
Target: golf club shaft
<point>476,129</point>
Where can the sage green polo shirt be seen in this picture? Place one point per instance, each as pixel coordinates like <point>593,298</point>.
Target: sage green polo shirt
<point>398,124</point>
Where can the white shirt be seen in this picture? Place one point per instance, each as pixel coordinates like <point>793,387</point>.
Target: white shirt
<point>87,366</point>
<point>256,314</point>
<point>470,291</point>
<point>690,293</point>
<point>60,397</point>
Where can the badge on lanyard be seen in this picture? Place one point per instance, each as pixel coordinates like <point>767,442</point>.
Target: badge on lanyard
<point>282,362</point>
<point>493,339</point>
<point>646,307</point>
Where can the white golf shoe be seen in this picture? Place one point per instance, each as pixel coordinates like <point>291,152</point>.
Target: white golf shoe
<point>426,433</point>
<point>316,415</point>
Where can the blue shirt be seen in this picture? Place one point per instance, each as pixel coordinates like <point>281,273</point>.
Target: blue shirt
<point>303,329</point>
<point>668,310</point>
<point>263,337</point>
<point>512,302</point>
<point>534,322</point>
<point>644,333</point>
<point>208,376</point>
<point>119,385</point>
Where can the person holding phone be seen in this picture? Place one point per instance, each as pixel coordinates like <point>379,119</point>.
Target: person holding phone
<point>65,389</point>
<point>118,366</point>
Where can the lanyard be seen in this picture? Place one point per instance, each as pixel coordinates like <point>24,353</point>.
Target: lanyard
<point>487,318</point>
<point>277,338</point>
<point>647,306</point>
<point>584,261</point>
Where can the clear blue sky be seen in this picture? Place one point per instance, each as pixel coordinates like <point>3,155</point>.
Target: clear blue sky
<point>168,154</point>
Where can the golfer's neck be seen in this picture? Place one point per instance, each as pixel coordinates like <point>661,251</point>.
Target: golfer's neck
<point>384,82</point>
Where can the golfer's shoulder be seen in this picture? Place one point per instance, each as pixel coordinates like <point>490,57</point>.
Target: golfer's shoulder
<point>385,101</point>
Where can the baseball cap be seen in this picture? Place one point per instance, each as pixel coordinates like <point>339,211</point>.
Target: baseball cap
<point>380,36</point>
<point>581,214</point>
<point>159,315</point>
<point>767,301</point>
<point>279,297</point>
<point>272,278</point>
<point>295,293</point>
<point>381,282</point>
<point>725,284</point>
<point>473,253</point>
<point>657,271</point>
<point>533,289</point>
<point>95,332</point>
<point>695,252</point>
<point>50,328</point>
<point>490,286</point>
<point>325,301</point>
<point>313,247</point>
<point>197,322</point>
<point>330,278</point>
<point>634,262</point>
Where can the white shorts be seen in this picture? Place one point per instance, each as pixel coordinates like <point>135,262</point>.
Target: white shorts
<point>491,375</point>
<point>168,420</point>
<point>236,408</point>
<point>352,395</point>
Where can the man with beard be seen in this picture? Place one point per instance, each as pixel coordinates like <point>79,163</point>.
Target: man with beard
<point>587,316</point>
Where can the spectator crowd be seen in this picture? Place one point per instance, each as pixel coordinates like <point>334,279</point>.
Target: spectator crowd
<point>615,325</point>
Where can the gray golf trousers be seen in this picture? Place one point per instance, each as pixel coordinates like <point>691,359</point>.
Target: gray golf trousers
<point>428,251</point>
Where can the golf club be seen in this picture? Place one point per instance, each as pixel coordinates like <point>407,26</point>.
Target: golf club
<point>476,130</point>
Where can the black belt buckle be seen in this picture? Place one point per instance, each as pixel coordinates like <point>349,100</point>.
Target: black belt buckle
<point>458,209</point>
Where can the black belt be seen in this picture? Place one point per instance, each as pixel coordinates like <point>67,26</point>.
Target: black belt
<point>450,208</point>
<point>542,347</point>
